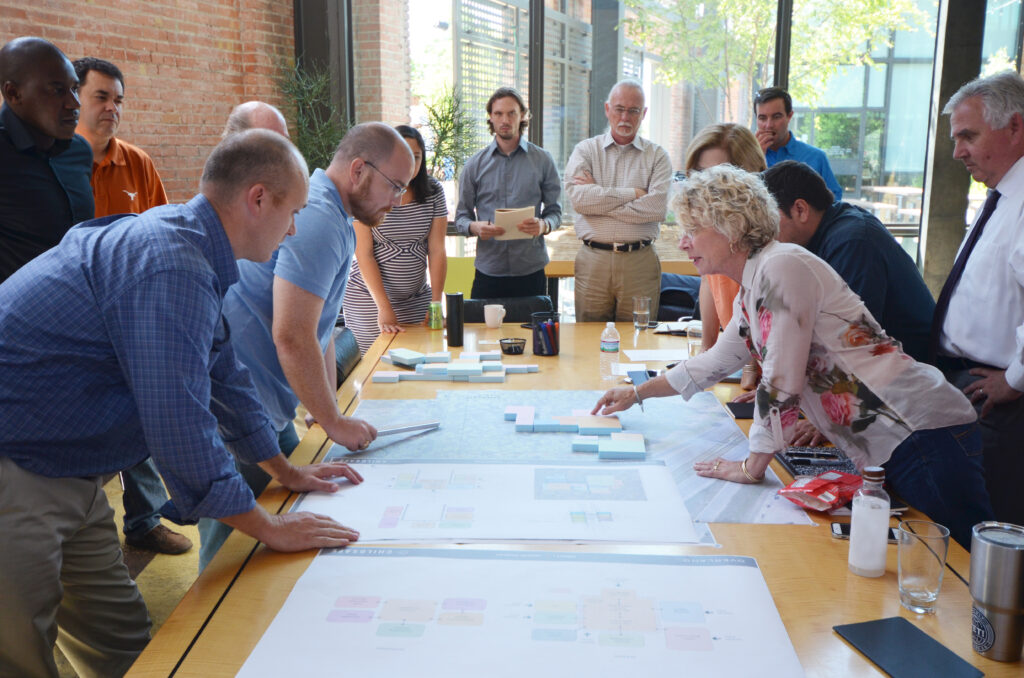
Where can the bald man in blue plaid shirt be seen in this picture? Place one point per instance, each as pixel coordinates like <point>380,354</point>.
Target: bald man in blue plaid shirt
<point>113,348</point>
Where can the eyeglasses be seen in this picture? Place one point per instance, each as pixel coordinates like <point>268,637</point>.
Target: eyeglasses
<point>633,112</point>
<point>398,188</point>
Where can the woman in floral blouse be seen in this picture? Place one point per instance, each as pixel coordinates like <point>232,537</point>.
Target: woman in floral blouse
<point>821,352</point>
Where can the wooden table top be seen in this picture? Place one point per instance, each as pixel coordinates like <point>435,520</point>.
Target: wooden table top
<point>223,616</point>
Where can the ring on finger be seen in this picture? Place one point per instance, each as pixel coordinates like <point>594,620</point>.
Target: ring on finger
<point>715,467</point>
<point>364,444</point>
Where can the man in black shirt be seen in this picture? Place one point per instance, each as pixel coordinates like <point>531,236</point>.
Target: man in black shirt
<point>44,166</point>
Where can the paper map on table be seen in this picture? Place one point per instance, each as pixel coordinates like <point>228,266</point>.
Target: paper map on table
<point>442,501</point>
<point>384,612</point>
<point>676,431</point>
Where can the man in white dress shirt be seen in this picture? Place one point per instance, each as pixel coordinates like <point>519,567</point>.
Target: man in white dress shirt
<point>618,184</point>
<point>978,333</point>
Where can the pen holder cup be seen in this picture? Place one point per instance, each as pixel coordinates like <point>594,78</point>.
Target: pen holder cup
<point>545,333</point>
<point>512,345</point>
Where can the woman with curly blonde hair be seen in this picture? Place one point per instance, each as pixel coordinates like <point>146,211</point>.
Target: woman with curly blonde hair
<point>721,143</point>
<point>822,352</point>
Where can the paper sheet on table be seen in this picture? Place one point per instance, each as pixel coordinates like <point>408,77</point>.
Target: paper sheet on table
<point>508,218</point>
<point>623,369</point>
<point>664,354</point>
<point>462,613</point>
<point>433,501</point>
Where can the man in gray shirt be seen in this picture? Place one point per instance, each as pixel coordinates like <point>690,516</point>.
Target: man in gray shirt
<point>618,184</point>
<point>510,172</point>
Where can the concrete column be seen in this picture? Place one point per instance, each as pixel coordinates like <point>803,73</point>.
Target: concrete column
<point>609,46</point>
<point>957,60</point>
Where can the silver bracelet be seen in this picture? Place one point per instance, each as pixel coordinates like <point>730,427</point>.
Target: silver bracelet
<point>639,400</point>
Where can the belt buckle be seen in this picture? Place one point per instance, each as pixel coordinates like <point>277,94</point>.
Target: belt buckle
<point>617,245</point>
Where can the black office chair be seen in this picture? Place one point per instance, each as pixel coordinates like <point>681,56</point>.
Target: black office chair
<point>517,309</point>
<point>679,297</point>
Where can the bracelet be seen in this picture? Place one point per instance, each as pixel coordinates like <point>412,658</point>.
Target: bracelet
<point>547,227</point>
<point>743,467</point>
<point>639,400</point>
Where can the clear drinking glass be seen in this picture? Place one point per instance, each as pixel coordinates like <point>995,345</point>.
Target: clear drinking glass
<point>641,313</point>
<point>923,546</point>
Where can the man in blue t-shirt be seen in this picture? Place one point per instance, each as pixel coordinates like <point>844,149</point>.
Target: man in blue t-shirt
<point>859,248</point>
<point>282,312</point>
<point>773,108</point>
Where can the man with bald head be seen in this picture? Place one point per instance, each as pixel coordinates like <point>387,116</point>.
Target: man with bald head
<point>618,184</point>
<point>282,312</point>
<point>44,166</point>
<point>255,115</point>
<point>124,320</point>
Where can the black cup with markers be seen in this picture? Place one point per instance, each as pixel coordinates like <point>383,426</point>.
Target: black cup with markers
<point>545,333</point>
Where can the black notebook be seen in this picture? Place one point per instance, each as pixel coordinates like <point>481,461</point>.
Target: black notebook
<point>904,651</point>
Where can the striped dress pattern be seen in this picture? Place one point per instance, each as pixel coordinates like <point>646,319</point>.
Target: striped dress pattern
<point>400,248</point>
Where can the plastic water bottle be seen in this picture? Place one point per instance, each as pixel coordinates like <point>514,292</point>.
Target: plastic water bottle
<point>869,529</point>
<point>609,351</point>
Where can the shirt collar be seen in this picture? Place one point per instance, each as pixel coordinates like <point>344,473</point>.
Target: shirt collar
<point>22,138</point>
<point>218,251</point>
<point>638,142</point>
<point>492,147</point>
<point>827,217</point>
<point>114,154</point>
<point>321,181</point>
<point>1013,178</point>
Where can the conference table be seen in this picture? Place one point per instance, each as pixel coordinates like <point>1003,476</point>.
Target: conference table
<point>227,610</point>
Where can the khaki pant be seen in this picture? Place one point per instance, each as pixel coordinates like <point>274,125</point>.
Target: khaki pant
<point>607,281</point>
<point>63,579</point>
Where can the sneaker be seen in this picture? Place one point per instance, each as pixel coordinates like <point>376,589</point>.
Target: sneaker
<point>161,540</point>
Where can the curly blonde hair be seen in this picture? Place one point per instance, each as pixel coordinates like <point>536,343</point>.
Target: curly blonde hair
<point>733,202</point>
<point>738,141</point>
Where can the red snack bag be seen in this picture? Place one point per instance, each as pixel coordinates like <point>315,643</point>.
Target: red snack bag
<point>822,492</point>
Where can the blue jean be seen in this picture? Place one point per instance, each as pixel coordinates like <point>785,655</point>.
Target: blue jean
<point>144,496</point>
<point>939,472</point>
<point>212,532</point>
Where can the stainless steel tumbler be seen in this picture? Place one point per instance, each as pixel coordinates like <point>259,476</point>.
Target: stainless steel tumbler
<point>997,587</point>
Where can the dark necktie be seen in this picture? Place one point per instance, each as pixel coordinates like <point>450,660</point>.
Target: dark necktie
<point>942,305</point>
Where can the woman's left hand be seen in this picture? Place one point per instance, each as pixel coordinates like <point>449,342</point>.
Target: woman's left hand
<point>388,322</point>
<point>724,469</point>
<point>615,400</point>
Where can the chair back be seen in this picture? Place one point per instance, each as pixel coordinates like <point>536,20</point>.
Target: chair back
<point>517,309</point>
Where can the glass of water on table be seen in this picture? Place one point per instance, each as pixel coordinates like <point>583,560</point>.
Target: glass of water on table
<point>641,313</point>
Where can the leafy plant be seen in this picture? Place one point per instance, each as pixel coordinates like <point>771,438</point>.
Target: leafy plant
<point>318,127</point>
<point>452,131</point>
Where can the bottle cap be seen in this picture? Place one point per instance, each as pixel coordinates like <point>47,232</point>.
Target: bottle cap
<point>610,324</point>
<point>875,474</point>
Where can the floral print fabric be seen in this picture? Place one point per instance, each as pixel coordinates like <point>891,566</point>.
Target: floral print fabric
<point>821,352</point>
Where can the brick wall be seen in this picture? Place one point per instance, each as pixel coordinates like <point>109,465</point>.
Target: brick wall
<point>381,56</point>
<point>186,64</point>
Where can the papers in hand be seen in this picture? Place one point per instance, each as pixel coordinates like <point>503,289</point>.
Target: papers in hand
<point>510,217</point>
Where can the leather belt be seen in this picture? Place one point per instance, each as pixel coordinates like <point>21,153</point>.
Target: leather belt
<point>617,246</point>
<point>948,363</point>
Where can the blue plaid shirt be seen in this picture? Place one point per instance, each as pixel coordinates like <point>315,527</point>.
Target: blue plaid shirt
<point>113,348</point>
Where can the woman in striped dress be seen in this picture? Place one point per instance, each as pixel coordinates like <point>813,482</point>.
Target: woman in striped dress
<point>388,284</point>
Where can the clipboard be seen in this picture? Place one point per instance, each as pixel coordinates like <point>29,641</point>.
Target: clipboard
<point>508,218</point>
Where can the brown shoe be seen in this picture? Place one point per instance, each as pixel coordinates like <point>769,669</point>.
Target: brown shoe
<point>161,540</point>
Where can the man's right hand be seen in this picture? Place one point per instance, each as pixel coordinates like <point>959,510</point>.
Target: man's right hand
<point>766,138</point>
<point>300,531</point>
<point>354,434</point>
<point>292,531</point>
<point>485,230</point>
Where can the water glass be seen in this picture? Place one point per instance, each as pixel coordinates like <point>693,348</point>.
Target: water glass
<point>641,313</point>
<point>923,546</point>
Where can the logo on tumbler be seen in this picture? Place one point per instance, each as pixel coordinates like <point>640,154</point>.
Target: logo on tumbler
<point>982,634</point>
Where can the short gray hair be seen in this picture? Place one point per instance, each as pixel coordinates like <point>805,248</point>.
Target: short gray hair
<point>627,82</point>
<point>733,202</point>
<point>1001,94</point>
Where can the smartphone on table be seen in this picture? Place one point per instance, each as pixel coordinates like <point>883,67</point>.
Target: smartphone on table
<point>842,531</point>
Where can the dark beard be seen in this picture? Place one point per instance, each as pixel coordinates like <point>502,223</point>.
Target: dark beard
<point>361,208</point>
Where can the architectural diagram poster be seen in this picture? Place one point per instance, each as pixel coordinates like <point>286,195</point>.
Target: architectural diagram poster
<point>425,501</point>
<point>677,432</point>
<point>379,612</point>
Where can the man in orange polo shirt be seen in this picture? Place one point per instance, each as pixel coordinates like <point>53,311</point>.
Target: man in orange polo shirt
<point>124,180</point>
